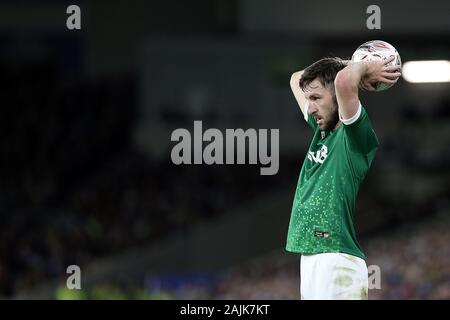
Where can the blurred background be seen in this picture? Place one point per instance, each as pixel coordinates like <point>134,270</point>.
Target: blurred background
<point>86,176</point>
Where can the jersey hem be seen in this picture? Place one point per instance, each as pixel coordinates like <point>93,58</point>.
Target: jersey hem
<point>348,251</point>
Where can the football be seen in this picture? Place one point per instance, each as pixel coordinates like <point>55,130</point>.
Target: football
<point>377,50</point>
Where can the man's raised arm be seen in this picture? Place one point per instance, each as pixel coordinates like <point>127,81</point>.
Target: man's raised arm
<point>298,92</point>
<point>361,74</point>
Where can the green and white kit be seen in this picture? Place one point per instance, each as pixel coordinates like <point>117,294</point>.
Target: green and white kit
<point>323,208</point>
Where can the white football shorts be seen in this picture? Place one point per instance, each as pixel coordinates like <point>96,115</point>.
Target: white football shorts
<point>333,276</point>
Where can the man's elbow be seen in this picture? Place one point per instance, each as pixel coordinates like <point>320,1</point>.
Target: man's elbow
<point>341,80</point>
<point>344,81</point>
<point>295,78</point>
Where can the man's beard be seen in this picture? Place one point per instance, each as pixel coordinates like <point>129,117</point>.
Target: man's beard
<point>331,123</point>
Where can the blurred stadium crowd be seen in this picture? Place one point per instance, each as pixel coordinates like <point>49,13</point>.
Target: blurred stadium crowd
<point>413,261</point>
<point>73,189</point>
<point>410,267</point>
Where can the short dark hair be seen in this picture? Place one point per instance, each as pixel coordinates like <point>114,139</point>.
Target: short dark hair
<point>325,70</point>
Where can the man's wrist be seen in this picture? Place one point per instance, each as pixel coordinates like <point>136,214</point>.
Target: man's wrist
<point>361,67</point>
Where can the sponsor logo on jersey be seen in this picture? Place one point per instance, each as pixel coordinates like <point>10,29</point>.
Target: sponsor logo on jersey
<point>318,156</point>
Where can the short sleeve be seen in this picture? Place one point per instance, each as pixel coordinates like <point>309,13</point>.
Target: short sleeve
<point>359,132</point>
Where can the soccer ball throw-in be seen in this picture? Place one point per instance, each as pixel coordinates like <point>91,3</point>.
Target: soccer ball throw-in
<point>377,50</point>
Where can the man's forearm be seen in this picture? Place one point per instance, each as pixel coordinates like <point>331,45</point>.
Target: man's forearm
<point>365,73</point>
<point>351,75</point>
<point>346,85</point>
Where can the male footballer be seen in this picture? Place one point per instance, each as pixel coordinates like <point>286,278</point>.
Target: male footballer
<point>340,154</point>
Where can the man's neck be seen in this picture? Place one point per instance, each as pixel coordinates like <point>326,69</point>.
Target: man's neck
<point>337,126</point>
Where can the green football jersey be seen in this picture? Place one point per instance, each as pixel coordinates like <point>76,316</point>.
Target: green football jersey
<point>333,169</point>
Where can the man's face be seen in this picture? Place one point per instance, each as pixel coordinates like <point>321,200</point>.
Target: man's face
<point>322,106</point>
